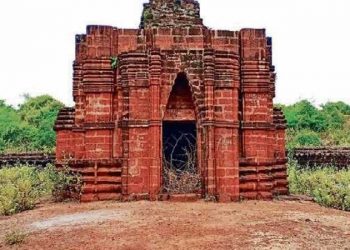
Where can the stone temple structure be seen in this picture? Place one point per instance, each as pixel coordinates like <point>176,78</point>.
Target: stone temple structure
<point>134,87</point>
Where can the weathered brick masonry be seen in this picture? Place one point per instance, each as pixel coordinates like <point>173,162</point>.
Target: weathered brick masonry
<point>338,157</point>
<point>171,69</point>
<point>39,160</point>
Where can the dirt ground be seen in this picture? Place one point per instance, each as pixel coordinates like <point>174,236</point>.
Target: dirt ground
<point>165,225</point>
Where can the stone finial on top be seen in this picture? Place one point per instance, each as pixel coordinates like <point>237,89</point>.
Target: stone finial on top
<point>171,13</point>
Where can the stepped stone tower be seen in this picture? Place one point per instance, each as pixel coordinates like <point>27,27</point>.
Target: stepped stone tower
<point>134,87</point>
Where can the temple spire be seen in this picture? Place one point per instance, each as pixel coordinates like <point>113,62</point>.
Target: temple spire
<point>171,13</point>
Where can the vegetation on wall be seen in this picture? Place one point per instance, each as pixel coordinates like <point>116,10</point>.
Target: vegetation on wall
<point>308,125</point>
<point>30,126</point>
<point>114,62</point>
<point>147,15</point>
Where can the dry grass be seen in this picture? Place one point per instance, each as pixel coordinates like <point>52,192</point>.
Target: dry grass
<point>180,174</point>
<point>15,237</point>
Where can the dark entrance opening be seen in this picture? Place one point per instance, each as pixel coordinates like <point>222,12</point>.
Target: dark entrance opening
<point>180,171</point>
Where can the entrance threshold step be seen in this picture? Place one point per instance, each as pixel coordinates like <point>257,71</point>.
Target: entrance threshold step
<point>180,197</point>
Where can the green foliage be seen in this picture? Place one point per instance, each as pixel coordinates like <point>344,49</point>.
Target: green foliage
<point>327,186</point>
<point>22,187</point>
<point>30,128</point>
<point>11,127</point>
<point>14,238</point>
<point>336,137</point>
<point>67,184</point>
<point>303,138</point>
<point>147,15</point>
<point>303,115</point>
<point>114,62</point>
<point>342,107</point>
<point>308,125</point>
<point>35,110</point>
<point>40,113</point>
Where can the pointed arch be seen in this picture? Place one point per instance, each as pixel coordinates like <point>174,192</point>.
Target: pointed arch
<point>181,103</point>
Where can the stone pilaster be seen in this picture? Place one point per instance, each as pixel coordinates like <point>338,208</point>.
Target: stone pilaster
<point>155,124</point>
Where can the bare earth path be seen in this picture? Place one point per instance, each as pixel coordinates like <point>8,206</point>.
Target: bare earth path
<point>164,225</point>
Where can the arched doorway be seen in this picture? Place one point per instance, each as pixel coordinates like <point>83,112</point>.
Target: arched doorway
<point>180,172</point>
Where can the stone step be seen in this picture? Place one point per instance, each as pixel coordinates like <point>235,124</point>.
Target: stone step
<point>104,171</point>
<point>101,188</point>
<point>100,197</point>
<point>255,178</point>
<point>256,195</point>
<point>104,179</point>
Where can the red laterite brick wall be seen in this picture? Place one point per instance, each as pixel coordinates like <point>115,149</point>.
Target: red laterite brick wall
<point>113,136</point>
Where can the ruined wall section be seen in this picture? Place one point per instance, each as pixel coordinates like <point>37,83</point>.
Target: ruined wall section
<point>87,144</point>
<point>94,90</point>
<point>279,170</point>
<point>189,63</point>
<point>335,157</point>
<point>170,13</point>
<point>135,121</point>
<point>260,142</point>
<point>98,89</point>
<point>172,51</point>
<point>115,127</point>
<point>219,122</point>
<point>65,137</point>
<point>226,123</point>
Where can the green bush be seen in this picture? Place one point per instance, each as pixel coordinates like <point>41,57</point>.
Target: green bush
<point>337,137</point>
<point>308,138</point>
<point>308,125</point>
<point>329,187</point>
<point>336,106</point>
<point>22,187</point>
<point>19,189</point>
<point>30,127</point>
<point>67,184</point>
<point>304,115</point>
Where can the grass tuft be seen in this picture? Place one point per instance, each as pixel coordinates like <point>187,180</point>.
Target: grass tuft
<point>15,238</point>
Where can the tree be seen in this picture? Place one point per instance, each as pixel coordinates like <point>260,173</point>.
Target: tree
<point>304,115</point>
<point>342,107</point>
<point>35,110</point>
<point>13,132</point>
<point>31,127</point>
<point>40,113</point>
<point>312,126</point>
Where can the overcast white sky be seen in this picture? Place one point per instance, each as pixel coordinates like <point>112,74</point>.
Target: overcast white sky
<point>311,42</point>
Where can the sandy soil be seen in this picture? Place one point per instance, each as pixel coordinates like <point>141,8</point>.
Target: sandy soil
<point>165,225</point>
